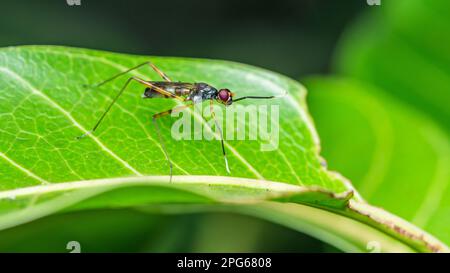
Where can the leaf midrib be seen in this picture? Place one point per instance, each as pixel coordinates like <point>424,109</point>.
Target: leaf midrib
<point>273,186</point>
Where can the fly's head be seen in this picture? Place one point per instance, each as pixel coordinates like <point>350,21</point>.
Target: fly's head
<point>225,96</point>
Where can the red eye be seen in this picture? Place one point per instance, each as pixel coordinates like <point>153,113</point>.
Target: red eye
<point>224,95</point>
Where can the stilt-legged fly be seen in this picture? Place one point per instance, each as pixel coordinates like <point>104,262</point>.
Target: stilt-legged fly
<point>190,93</point>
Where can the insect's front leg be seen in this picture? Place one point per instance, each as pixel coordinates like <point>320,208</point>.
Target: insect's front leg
<point>213,114</point>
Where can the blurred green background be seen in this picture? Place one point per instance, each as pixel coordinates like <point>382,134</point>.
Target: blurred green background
<point>382,116</point>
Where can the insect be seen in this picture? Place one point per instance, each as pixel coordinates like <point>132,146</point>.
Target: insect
<point>189,93</point>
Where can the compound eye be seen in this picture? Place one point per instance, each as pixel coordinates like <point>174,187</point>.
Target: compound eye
<point>224,95</point>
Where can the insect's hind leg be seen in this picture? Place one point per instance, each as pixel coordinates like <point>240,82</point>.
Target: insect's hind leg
<point>111,105</point>
<point>156,69</point>
<point>160,73</point>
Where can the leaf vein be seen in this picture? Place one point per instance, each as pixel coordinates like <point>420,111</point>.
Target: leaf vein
<point>23,169</point>
<point>68,116</point>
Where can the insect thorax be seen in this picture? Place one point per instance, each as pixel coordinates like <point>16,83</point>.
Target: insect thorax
<point>203,91</point>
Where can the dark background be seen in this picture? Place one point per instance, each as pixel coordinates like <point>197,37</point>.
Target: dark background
<point>295,38</point>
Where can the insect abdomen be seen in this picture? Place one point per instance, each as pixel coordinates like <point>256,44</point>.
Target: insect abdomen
<point>150,93</point>
<point>176,88</point>
<point>181,91</point>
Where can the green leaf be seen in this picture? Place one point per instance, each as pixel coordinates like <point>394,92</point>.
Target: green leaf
<point>402,47</point>
<point>403,156</point>
<point>45,170</point>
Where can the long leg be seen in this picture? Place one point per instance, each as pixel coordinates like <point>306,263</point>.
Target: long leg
<point>141,81</point>
<point>221,135</point>
<point>161,140</point>
<point>164,76</point>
